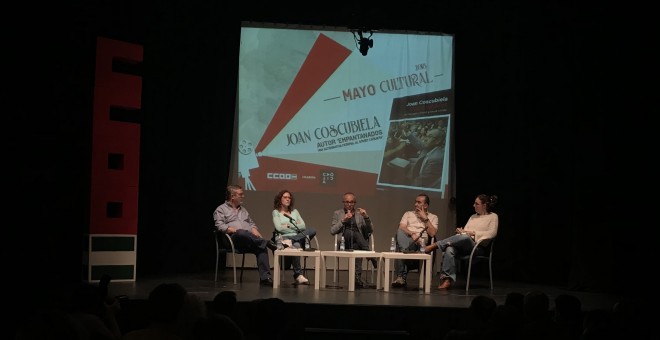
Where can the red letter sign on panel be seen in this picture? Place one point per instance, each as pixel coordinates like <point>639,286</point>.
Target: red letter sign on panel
<point>114,191</point>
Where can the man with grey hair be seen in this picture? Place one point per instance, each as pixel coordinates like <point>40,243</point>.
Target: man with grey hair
<point>232,218</point>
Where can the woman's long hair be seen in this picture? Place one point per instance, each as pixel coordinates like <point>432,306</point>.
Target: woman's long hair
<point>277,202</point>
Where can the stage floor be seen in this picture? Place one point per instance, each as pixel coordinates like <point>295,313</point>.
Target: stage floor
<point>203,285</point>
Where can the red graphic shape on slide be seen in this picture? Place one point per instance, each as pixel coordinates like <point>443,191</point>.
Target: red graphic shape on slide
<point>322,61</point>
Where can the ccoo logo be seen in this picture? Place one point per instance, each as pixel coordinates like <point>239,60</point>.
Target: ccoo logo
<point>276,175</point>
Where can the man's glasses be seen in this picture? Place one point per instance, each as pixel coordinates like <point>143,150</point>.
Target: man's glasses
<point>348,202</point>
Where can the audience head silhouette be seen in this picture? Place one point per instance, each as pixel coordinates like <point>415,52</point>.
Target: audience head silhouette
<point>536,306</point>
<point>165,302</point>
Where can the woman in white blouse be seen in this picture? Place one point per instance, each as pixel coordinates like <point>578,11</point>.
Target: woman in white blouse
<point>481,225</point>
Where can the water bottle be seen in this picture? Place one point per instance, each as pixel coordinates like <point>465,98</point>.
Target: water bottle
<point>342,244</point>
<point>393,245</point>
<point>306,244</point>
<point>278,239</point>
<point>423,238</point>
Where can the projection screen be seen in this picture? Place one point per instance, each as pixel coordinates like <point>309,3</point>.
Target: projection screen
<point>317,117</point>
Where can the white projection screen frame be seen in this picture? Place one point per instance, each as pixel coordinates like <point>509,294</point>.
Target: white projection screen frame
<point>317,117</point>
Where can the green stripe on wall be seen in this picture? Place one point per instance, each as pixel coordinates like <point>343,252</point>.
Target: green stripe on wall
<point>120,272</point>
<point>113,243</point>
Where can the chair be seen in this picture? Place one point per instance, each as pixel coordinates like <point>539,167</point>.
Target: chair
<point>414,264</point>
<point>371,247</point>
<point>224,244</point>
<point>315,239</point>
<point>430,241</point>
<point>487,245</point>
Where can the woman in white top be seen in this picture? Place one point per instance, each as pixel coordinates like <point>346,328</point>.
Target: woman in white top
<point>288,223</point>
<point>481,225</point>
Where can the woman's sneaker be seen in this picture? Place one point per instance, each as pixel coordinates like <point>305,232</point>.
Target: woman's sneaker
<point>399,282</point>
<point>301,280</point>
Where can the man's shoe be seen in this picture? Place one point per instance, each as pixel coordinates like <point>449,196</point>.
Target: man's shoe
<point>446,284</point>
<point>272,246</point>
<point>430,248</point>
<point>266,282</point>
<point>399,282</point>
<point>301,280</point>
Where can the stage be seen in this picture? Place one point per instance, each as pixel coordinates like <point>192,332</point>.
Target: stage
<point>330,311</point>
<point>203,285</point>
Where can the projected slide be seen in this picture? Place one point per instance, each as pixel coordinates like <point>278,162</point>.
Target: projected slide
<point>315,115</point>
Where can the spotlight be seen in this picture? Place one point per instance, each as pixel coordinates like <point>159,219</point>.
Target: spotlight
<point>363,43</point>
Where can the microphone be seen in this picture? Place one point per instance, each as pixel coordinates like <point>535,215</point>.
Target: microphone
<point>411,248</point>
<point>353,228</point>
<point>290,218</point>
<point>309,241</point>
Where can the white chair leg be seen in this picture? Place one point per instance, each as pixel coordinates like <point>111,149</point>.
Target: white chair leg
<point>467,284</point>
<point>233,257</point>
<point>217,259</point>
